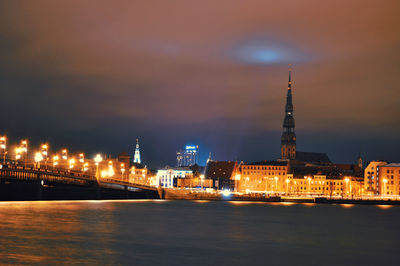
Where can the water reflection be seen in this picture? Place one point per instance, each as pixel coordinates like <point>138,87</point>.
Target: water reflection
<point>148,232</point>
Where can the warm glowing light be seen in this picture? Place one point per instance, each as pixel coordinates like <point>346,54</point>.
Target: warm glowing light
<point>98,159</point>
<point>385,180</point>
<point>226,192</point>
<point>44,149</point>
<point>202,177</point>
<point>18,152</point>
<point>347,205</point>
<point>384,207</point>
<point>81,158</point>
<point>38,157</point>
<point>85,167</point>
<point>71,163</point>
<point>64,154</point>
<point>24,146</point>
<point>3,142</point>
<point>55,160</point>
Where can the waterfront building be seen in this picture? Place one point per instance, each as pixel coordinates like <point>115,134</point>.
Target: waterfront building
<point>224,174</point>
<point>322,184</point>
<point>264,176</point>
<point>138,174</point>
<point>168,177</point>
<point>371,177</point>
<point>389,179</point>
<point>188,157</point>
<point>136,158</point>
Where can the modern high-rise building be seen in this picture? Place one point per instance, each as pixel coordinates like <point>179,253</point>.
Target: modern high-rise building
<point>189,156</point>
<point>136,158</point>
<point>288,139</point>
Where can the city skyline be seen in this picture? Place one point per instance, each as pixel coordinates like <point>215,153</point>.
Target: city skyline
<point>98,78</point>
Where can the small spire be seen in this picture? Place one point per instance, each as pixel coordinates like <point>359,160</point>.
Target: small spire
<point>290,77</point>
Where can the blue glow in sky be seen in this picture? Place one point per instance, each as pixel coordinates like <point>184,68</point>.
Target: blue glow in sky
<point>267,51</point>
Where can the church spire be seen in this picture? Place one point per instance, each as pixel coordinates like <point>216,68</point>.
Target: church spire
<point>288,139</point>
<point>137,153</point>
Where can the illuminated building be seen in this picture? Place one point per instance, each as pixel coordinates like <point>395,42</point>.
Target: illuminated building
<point>371,177</point>
<point>264,176</point>
<point>168,177</point>
<point>189,156</point>
<point>136,158</point>
<point>389,179</point>
<point>323,185</point>
<point>224,174</point>
<point>138,174</point>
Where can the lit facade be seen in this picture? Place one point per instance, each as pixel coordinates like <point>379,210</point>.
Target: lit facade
<point>266,176</point>
<point>168,178</point>
<point>371,177</point>
<point>389,179</point>
<point>189,156</point>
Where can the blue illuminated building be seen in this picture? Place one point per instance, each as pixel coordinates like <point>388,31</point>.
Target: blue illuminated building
<point>189,156</point>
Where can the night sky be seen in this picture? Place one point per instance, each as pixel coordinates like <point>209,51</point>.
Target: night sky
<point>96,75</point>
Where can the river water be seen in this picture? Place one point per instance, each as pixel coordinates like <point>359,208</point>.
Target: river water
<point>153,232</point>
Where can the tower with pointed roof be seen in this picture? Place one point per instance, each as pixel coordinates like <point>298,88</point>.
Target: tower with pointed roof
<point>288,139</point>
<point>137,153</point>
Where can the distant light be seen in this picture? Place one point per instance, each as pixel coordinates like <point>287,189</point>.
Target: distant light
<point>190,147</point>
<point>226,192</point>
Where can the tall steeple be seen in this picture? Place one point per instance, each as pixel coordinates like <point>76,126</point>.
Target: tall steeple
<point>288,139</point>
<point>137,152</point>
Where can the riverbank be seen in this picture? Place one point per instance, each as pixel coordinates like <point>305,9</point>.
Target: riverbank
<point>183,194</point>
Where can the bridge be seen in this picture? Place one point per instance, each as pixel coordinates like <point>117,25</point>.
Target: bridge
<point>18,182</point>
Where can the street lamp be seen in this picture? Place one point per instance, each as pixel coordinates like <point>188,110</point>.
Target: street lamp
<point>18,153</point>
<point>24,149</point>
<point>3,146</point>
<point>287,186</point>
<point>55,160</point>
<point>44,151</point>
<point>81,157</point>
<point>64,154</point>
<point>85,167</point>
<point>71,163</point>
<point>110,171</point>
<point>122,170</point>
<point>38,159</point>
<point>347,183</point>
<point>97,160</point>
<point>202,180</point>
<point>384,186</point>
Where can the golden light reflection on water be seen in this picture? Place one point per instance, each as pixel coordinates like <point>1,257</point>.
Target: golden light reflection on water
<point>347,205</point>
<point>309,204</point>
<point>201,201</point>
<point>29,230</point>
<point>384,207</point>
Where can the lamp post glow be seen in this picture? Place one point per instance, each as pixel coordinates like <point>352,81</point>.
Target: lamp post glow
<point>18,153</point>
<point>347,184</point>
<point>64,154</point>
<point>38,159</point>
<point>384,186</point>
<point>24,149</point>
<point>97,160</point>
<point>276,184</point>
<point>71,163</point>
<point>201,180</point>
<point>3,146</point>
<point>287,186</point>
<point>55,160</point>
<point>44,151</point>
<point>85,167</point>
<point>122,170</point>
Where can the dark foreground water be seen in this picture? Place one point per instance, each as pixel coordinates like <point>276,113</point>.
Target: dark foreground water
<point>197,233</point>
